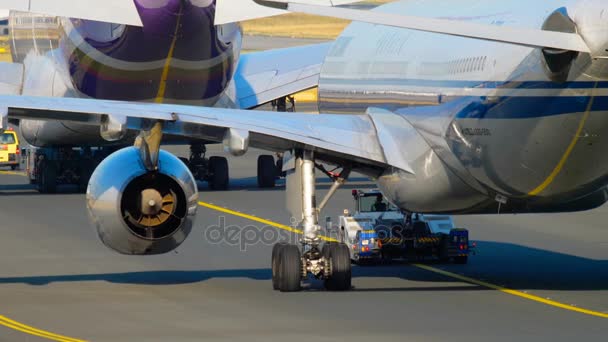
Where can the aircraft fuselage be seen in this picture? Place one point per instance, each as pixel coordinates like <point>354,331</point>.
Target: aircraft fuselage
<point>491,122</point>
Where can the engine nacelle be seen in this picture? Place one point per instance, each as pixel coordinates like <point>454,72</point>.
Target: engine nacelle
<point>140,212</point>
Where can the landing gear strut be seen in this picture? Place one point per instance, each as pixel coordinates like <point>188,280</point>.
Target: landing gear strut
<point>213,170</point>
<point>292,263</point>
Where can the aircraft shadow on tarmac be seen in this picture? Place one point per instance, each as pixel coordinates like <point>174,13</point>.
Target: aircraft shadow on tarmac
<point>509,265</point>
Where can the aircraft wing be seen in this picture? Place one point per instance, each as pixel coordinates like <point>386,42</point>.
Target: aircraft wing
<point>113,11</point>
<point>267,75</point>
<point>334,138</point>
<point>514,35</point>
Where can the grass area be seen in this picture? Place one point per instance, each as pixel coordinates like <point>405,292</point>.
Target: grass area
<point>296,25</point>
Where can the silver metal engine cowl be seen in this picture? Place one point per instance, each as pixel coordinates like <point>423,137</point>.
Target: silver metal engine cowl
<point>139,212</point>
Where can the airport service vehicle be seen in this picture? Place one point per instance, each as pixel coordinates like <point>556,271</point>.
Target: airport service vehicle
<point>462,106</point>
<point>379,231</point>
<point>10,155</point>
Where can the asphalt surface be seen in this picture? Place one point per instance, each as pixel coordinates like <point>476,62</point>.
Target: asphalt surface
<point>55,275</point>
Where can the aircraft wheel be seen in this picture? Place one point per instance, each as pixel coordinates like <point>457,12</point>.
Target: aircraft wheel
<point>47,180</point>
<point>266,171</point>
<point>339,256</point>
<point>277,249</point>
<point>461,260</point>
<point>289,268</point>
<point>218,168</point>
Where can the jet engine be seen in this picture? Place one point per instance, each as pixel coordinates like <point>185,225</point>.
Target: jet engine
<point>139,212</point>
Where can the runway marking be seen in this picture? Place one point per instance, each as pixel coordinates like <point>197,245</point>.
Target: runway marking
<point>12,324</point>
<point>558,168</point>
<point>425,267</point>
<point>513,292</point>
<point>258,219</point>
<point>12,173</point>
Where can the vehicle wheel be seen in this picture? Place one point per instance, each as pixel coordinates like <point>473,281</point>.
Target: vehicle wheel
<point>86,171</point>
<point>289,269</point>
<point>339,256</point>
<point>461,260</point>
<point>218,169</point>
<point>47,180</point>
<point>276,255</point>
<point>267,171</point>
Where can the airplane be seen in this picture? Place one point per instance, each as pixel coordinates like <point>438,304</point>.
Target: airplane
<point>172,53</point>
<point>459,107</point>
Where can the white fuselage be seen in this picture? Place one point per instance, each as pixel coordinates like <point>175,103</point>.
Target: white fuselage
<point>483,122</point>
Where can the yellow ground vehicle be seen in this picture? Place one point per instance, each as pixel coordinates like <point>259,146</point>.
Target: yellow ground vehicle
<point>10,155</point>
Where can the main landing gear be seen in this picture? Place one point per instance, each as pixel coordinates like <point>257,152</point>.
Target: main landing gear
<point>329,261</point>
<point>52,166</point>
<point>213,170</point>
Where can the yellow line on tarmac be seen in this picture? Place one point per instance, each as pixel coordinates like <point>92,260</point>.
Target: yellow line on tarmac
<point>257,219</point>
<point>9,323</point>
<point>513,292</point>
<point>425,267</point>
<point>12,173</point>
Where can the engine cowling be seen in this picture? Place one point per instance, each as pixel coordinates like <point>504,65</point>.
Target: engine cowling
<point>139,212</point>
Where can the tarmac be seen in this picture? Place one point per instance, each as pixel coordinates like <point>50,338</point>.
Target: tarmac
<point>534,277</point>
<point>56,277</point>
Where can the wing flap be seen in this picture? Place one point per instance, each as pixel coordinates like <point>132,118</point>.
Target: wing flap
<point>267,75</point>
<point>230,11</point>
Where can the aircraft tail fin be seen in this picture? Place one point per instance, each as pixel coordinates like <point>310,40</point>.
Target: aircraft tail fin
<point>230,11</point>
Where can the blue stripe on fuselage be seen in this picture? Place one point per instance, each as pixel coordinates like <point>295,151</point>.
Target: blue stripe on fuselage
<point>520,107</point>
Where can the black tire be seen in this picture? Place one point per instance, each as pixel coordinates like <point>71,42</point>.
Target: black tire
<point>443,250</point>
<point>86,171</point>
<point>218,173</point>
<point>290,268</point>
<point>47,177</point>
<point>461,260</point>
<point>267,171</point>
<point>14,167</point>
<point>341,276</point>
<point>277,249</point>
